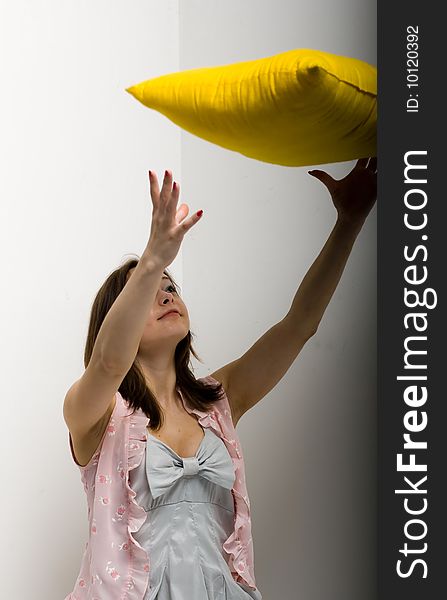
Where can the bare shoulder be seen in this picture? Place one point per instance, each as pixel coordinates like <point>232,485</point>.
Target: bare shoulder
<point>221,375</point>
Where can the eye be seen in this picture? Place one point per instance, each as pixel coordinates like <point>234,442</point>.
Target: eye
<point>171,288</point>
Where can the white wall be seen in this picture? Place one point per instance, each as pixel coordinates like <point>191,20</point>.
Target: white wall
<point>309,445</point>
<point>75,150</point>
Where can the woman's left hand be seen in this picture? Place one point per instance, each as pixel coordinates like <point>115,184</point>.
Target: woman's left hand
<point>354,195</point>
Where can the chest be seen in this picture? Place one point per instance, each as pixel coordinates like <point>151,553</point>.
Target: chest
<point>181,432</point>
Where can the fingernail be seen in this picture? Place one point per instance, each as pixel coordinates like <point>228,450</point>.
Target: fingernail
<point>199,213</point>
<point>166,173</point>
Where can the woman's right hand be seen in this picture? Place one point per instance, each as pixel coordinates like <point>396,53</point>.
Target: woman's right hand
<point>169,223</point>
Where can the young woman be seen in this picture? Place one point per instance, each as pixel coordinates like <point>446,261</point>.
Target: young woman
<point>160,459</point>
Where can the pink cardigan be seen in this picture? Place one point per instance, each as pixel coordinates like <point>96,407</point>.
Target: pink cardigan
<point>114,566</point>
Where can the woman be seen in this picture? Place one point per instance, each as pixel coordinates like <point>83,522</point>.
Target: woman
<point>168,508</point>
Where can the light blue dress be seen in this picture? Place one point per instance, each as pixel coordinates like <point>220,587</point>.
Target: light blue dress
<point>190,515</point>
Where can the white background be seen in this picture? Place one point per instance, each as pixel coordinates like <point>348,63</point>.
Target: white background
<point>75,149</point>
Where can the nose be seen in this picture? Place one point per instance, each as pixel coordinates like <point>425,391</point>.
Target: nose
<point>167,297</point>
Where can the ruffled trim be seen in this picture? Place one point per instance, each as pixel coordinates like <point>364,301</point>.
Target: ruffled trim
<point>237,553</point>
<point>139,560</point>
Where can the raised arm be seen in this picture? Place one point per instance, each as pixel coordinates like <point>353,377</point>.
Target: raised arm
<point>250,377</point>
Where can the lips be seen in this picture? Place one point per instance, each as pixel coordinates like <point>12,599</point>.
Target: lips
<point>175,312</point>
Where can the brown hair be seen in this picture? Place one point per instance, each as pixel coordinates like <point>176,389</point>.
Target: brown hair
<point>133,388</point>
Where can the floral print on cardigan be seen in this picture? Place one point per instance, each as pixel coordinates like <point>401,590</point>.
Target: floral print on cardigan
<point>114,565</point>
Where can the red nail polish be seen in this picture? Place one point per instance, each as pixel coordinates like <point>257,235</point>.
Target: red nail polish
<point>199,213</point>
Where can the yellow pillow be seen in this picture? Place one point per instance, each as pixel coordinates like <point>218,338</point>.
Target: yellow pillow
<point>300,107</point>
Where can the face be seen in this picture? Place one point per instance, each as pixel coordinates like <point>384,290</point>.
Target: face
<point>171,328</point>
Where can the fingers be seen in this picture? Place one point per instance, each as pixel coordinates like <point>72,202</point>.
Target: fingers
<point>182,212</point>
<point>323,177</point>
<point>168,196</point>
<point>361,164</point>
<point>166,188</point>
<point>369,163</point>
<point>172,200</point>
<point>154,189</point>
<point>372,166</point>
<point>166,201</point>
<point>188,223</point>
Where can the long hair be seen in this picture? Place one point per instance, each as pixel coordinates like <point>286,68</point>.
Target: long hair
<point>133,388</point>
